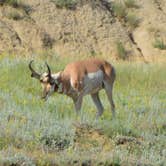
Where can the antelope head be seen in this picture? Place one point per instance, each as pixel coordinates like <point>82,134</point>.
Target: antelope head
<point>48,83</point>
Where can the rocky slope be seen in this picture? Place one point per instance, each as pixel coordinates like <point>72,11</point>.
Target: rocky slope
<point>91,27</point>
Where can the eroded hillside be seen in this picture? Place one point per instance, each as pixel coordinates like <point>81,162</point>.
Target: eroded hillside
<point>119,29</point>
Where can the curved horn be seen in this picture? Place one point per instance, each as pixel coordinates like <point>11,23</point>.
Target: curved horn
<point>49,70</point>
<point>34,73</point>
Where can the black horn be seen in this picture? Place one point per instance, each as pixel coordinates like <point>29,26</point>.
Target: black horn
<point>34,73</point>
<point>49,70</point>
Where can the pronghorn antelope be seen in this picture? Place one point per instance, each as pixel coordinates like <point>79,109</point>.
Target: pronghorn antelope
<point>79,79</point>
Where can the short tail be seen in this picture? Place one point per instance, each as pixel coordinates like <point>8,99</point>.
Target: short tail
<point>109,71</point>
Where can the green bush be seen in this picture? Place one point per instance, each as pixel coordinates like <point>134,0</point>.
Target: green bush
<point>159,43</point>
<point>132,20</point>
<point>122,12</point>
<point>131,4</point>
<point>17,4</point>
<point>55,142</point>
<point>14,3</point>
<point>121,50</point>
<point>69,4</point>
<point>119,10</point>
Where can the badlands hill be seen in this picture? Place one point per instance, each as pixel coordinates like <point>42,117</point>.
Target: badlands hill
<point>120,29</point>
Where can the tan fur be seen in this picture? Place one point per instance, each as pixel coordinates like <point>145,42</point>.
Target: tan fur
<point>76,71</point>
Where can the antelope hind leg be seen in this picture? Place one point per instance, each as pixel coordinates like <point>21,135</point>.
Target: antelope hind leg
<point>108,89</point>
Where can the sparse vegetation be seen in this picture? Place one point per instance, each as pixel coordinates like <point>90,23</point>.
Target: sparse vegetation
<point>14,3</point>
<point>131,4</point>
<point>159,43</point>
<point>132,20</point>
<point>17,4</point>
<point>119,10</point>
<point>15,15</point>
<point>69,4</point>
<point>34,132</point>
<point>47,41</point>
<point>121,52</point>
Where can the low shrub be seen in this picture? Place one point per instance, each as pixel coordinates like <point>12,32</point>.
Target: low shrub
<point>69,4</point>
<point>17,4</point>
<point>131,4</point>
<point>121,50</point>
<point>132,20</point>
<point>120,10</point>
<point>14,3</point>
<point>14,15</point>
<point>159,43</point>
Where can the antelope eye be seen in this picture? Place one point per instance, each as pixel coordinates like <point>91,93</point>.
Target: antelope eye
<point>41,81</point>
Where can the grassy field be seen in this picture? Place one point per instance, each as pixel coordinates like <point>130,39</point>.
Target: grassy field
<point>34,132</point>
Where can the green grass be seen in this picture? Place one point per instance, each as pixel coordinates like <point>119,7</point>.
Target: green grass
<point>43,133</point>
<point>159,43</point>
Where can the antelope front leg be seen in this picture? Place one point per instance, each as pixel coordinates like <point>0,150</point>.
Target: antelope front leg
<point>78,100</point>
<point>78,103</point>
